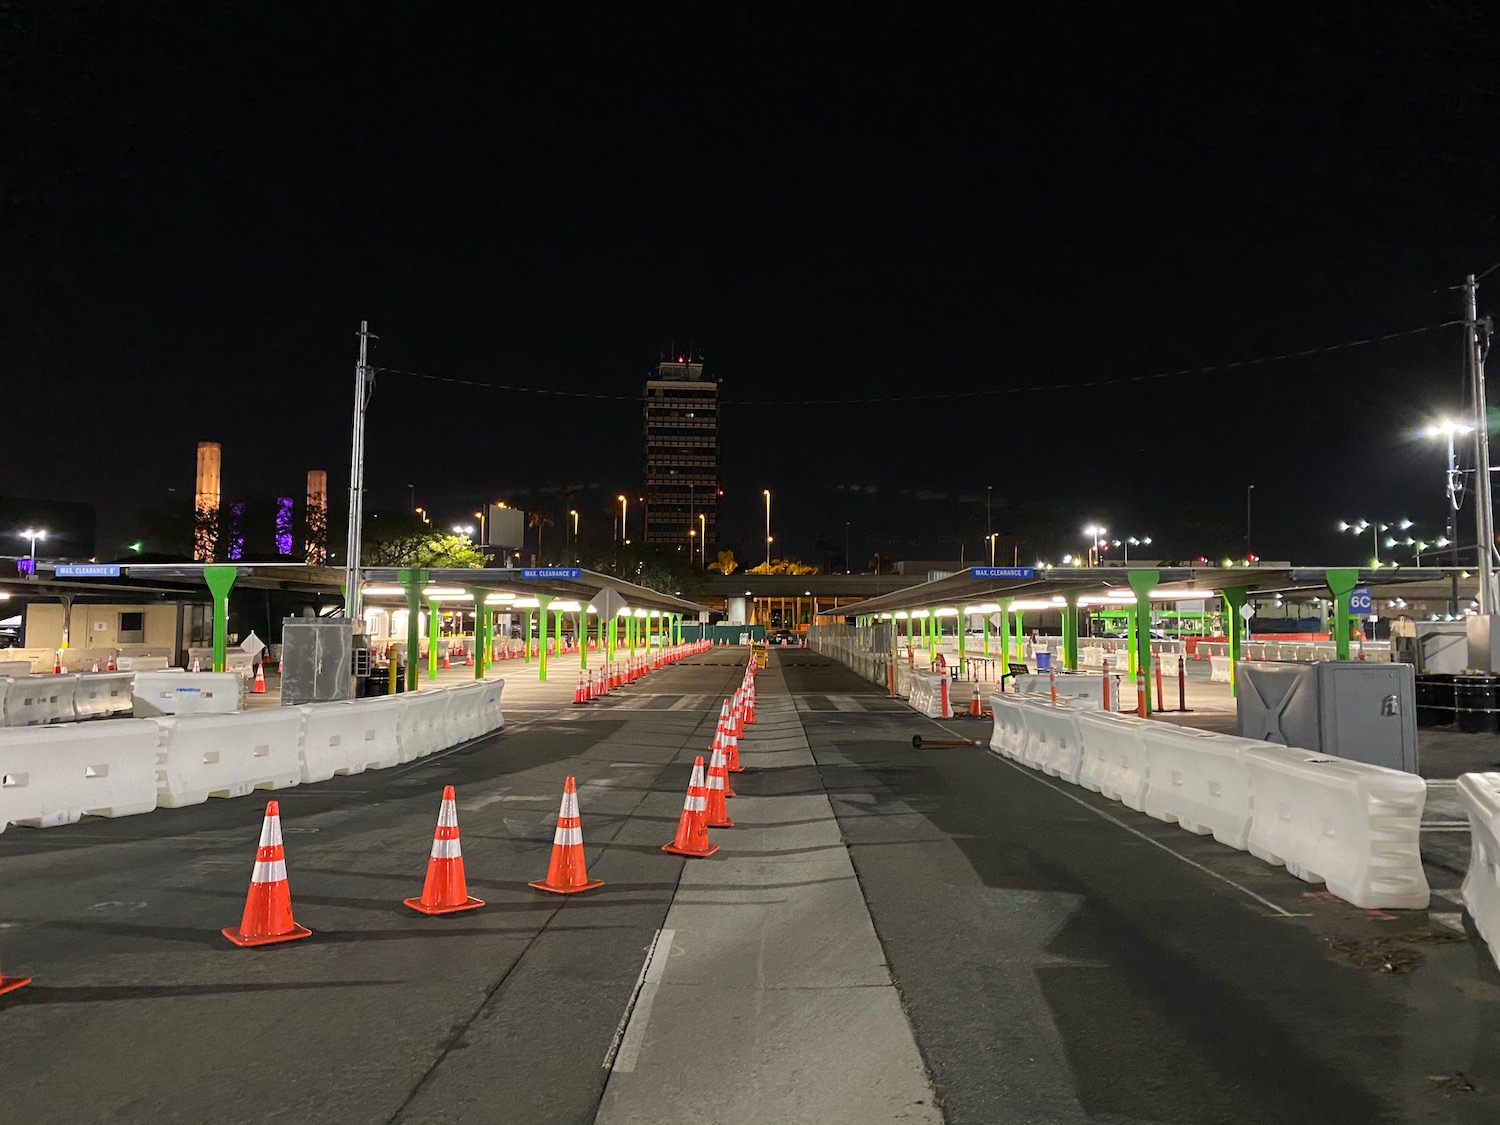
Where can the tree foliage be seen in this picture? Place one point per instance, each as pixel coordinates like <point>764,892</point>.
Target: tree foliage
<point>725,563</point>
<point>403,539</point>
<point>783,566</point>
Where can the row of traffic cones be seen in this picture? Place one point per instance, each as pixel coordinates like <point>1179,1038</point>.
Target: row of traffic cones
<point>704,806</point>
<point>618,674</point>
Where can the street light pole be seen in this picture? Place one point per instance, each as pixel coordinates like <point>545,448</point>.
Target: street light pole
<point>362,386</point>
<point>1249,492</point>
<point>33,534</point>
<point>1484,515</point>
<point>767,493</point>
<point>623,504</point>
<point>703,539</point>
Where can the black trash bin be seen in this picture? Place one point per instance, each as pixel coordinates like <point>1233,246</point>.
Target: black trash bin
<point>1474,700</point>
<point>1436,700</point>
<point>378,682</point>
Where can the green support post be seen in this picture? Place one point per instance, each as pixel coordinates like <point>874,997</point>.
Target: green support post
<point>1004,635</point>
<point>434,627</point>
<point>932,634</point>
<point>582,633</point>
<point>412,582</point>
<point>1234,597</point>
<point>984,629</point>
<point>1142,582</point>
<point>220,579</point>
<point>1070,631</point>
<point>613,629</point>
<point>1130,641</point>
<point>908,629</point>
<point>963,629</point>
<point>481,646</point>
<point>1020,635</point>
<point>543,602</point>
<point>1341,583</point>
<point>526,644</point>
<point>559,631</point>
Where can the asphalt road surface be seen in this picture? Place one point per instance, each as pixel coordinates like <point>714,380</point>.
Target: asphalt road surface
<point>887,934</point>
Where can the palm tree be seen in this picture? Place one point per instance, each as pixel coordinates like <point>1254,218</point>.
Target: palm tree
<point>539,520</point>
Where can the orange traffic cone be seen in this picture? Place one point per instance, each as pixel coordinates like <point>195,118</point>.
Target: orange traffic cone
<point>445,663</point>
<point>444,891</point>
<point>721,747</point>
<point>57,664</point>
<point>197,665</point>
<point>109,665</point>
<point>95,668</point>
<point>976,704</point>
<point>750,705</point>
<point>581,692</point>
<point>692,832</point>
<point>566,872</point>
<point>468,660</point>
<point>268,906</point>
<point>259,686</point>
<point>716,815</point>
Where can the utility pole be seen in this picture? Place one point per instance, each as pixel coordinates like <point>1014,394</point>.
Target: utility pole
<point>1249,491</point>
<point>363,385</point>
<point>1484,513</point>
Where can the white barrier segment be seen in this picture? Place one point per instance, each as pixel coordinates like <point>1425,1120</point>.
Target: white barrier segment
<point>1218,669</point>
<point>420,728</point>
<point>143,663</point>
<point>1053,743</point>
<point>1009,737</point>
<point>38,700</point>
<point>185,693</point>
<point>1480,794</point>
<point>53,775</point>
<point>98,695</point>
<point>464,723</point>
<point>1115,762</point>
<point>15,669</point>
<point>491,714</point>
<point>1200,782</point>
<point>203,756</point>
<point>347,738</point>
<point>1353,826</point>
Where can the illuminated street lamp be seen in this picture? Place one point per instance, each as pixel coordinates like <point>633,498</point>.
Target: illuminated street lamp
<point>1131,541</point>
<point>623,505</point>
<point>703,539</point>
<point>33,533</point>
<point>1096,533</point>
<point>1359,527</point>
<point>1447,428</point>
<point>992,537</point>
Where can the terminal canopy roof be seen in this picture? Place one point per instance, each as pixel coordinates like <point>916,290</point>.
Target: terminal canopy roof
<point>521,584</point>
<point>981,589</point>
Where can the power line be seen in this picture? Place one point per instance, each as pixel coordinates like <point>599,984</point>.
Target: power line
<point>985,392</point>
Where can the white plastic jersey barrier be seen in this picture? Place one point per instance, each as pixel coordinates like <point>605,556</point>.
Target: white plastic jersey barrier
<point>464,719</point>
<point>420,729</point>
<point>903,679</point>
<point>491,711</point>
<point>1353,826</point>
<point>1009,736</point>
<point>54,775</point>
<point>38,700</point>
<point>1480,794</point>
<point>15,668</point>
<point>348,738</point>
<point>1053,743</point>
<point>204,756</point>
<point>84,659</point>
<point>1115,762</point>
<point>143,663</point>
<point>931,694</point>
<point>1200,782</point>
<point>100,695</point>
<point>1218,669</point>
<point>1072,685</point>
<point>185,693</point>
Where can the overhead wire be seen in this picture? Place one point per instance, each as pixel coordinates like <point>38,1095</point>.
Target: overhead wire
<point>978,392</point>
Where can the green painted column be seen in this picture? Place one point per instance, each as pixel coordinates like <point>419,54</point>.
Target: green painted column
<point>963,630</point>
<point>582,633</point>
<point>632,627</point>
<point>1005,634</point>
<point>1234,597</point>
<point>543,602</point>
<point>1020,635</point>
<point>1341,583</point>
<point>479,641</point>
<point>908,629</point>
<point>1070,631</point>
<point>220,579</point>
<point>932,634</point>
<point>1142,582</point>
<point>1130,641</point>
<point>434,627</point>
<point>412,582</point>
<point>613,631</point>
<point>984,629</point>
<point>526,644</point>
<point>559,632</point>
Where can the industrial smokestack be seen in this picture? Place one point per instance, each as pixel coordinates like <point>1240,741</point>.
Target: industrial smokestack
<point>317,517</point>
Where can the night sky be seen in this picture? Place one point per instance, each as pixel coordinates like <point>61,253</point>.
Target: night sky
<point>872,202</point>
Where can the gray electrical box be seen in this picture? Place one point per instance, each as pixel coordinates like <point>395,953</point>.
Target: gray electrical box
<point>317,660</point>
<point>1363,712</point>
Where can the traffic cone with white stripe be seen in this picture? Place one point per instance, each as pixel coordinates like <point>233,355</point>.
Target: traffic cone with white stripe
<point>721,748</point>
<point>566,873</point>
<point>692,829</point>
<point>976,704</point>
<point>268,906</point>
<point>259,686</point>
<point>445,891</point>
<point>581,692</point>
<point>109,665</point>
<point>716,815</point>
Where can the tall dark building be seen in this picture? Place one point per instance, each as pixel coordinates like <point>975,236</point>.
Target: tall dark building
<point>682,457</point>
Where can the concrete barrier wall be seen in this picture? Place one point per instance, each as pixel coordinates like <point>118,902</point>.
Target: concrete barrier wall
<point>185,693</point>
<point>100,695</point>
<point>39,700</point>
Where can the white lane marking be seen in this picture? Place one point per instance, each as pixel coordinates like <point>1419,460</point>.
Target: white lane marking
<point>1134,832</point>
<point>1445,827</point>
<point>1441,783</point>
<point>474,804</point>
<point>845,703</point>
<point>625,1047</point>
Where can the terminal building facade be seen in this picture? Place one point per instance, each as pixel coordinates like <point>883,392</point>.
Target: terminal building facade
<point>681,457</point>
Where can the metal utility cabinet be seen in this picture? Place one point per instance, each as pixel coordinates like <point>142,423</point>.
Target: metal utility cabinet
<point>320,659</point>
<point>1345,709</point>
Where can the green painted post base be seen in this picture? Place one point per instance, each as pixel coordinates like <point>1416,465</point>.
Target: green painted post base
<point>412,582</point>
<point>1234,625</point>
<point>1142,582</point>
<point>220,579</point>
<point>434,633</point>
<point>541,655</point>
<point>1341,583</point>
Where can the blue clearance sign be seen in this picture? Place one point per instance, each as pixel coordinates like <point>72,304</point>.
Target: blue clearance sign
<point>551,572</point>
<point>87,570</point>
<point>1002,572</point>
